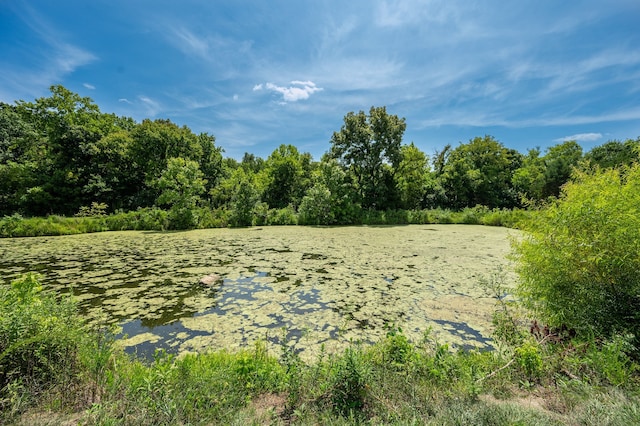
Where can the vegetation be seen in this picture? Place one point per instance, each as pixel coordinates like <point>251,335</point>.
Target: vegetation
<point>60,155</point>
<point>579,264</point>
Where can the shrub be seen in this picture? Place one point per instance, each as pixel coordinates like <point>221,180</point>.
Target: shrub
<point>578,264</point>
<point>39,339</point>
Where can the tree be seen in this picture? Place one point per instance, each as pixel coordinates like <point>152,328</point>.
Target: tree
<point>70,126</point>
<point>412,177</point>
<point>20,146</point>
<point>579,262</point>
<point>180,186</point>
<point>210,161</point>
<point>559,162</point>
<point>614,154</point>
<point>153,143</point>
<point>364,145</point>
<point>244,200</point>
<point>284,177</point>
<point>529,179</point>
<point>479,173</point>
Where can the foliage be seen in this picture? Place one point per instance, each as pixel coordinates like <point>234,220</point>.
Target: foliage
<point>480,173</point>
<point>244,200</point>
<point>365,145</point>
<point>39,340</point>
<point>578,265</point>
<point>181,185</point>
<point>614,154</point>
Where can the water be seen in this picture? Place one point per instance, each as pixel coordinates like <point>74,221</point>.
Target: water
<point>303,286</point>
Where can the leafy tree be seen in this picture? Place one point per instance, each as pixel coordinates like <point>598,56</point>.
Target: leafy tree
<point>479,173</point>
<point>364,145</point>
<point>412,177</point>
<point>244,199</point>
<point>579,262</point>
<point>181,185</point>
<point>559,162</point>
<point>153,143</point>
<point>19,159</point>
<point>252,163</point>
<point>69,125</point>
<point>284,177</point>
<point>529,179</point>
<point>316,207</point>
<point>614,153</point>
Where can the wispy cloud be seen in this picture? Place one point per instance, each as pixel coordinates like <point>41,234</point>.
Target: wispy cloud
<point>89,86</point>
<point>298,90</point>
<point>52,61</point>
<point>189,43</point>
<point>581,137</point>
<point>152,107</point>
<point>125,101</point>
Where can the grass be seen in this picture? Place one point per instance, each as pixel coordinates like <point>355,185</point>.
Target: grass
<point>155,219</point>
<point>53,370</point>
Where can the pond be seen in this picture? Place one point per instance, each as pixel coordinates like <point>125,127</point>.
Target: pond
<point>308,286</point>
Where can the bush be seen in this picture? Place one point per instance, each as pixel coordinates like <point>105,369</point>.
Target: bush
<point>40,339</point>
<point>579,263</point>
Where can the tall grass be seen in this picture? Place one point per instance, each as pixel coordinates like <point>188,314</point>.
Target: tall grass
<point>154,219</point>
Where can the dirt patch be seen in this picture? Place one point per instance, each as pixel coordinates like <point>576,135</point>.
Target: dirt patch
<point>268,407</point>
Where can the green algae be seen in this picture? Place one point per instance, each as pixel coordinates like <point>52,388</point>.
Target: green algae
<point>314,286</point>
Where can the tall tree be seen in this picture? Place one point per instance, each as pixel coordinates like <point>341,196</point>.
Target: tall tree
<point>365,145</point>
<point>479,173</point>
<point>284,177</point>
<point>559,162</point>
<point>412,177</point>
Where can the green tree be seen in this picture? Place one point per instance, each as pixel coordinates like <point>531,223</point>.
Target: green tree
<point>70,126</point>
<point>614,153</point>
<point>413,177</point>
<point>559,162</point>
<point>20,148</point>
<point>284,177</point>
<point>365,145</point>
<point>210,161</point>
<point>529,179</point>
<point>180,186</point>
<point>244,199</point>
<point>480,173</point>
<point>316,207</point>
<point>578,263</point>
<point>153,143</point>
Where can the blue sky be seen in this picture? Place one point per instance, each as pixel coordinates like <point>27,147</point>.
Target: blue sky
<point>260,73</point>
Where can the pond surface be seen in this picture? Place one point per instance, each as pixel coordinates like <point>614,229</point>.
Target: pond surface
<point>312,286</point>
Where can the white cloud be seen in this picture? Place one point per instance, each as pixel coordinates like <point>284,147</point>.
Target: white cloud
<point>152,106</point>
<point>89,86</point>
<point>298,90</point>
<point>235,97</point>
<point>190,43</point>
<point>124,100</point>
<point>581,137</point>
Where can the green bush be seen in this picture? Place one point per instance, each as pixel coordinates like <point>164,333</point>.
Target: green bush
<point>40,338</point>
<point>579,262</point>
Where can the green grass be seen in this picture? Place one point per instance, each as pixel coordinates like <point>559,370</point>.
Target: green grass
<point>155,219</point>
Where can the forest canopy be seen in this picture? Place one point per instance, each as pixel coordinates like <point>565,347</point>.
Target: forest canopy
<point>61,154</point>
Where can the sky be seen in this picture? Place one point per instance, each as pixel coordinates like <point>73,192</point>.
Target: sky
<point>257,74</point>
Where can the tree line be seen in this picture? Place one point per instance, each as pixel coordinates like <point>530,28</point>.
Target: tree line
<point>60,154</point>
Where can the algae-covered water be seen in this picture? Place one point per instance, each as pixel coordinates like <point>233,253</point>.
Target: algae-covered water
<point>312,286</point>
